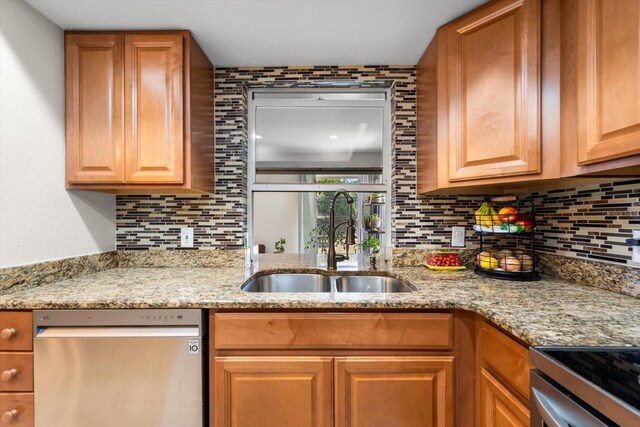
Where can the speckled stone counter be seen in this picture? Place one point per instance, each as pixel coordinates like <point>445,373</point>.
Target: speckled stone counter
<point>549,312</point>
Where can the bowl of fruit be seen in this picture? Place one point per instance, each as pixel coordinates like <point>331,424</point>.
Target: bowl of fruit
<point>507,263</point>
<point>444,261</point>
<point>506,221</point>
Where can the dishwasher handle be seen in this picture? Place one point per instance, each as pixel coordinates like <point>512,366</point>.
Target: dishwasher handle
<point>117,332</point>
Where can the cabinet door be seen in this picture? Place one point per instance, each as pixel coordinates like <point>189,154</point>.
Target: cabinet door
<point>402,391</point>
<point>94,108</point>
<point>498,407</point>
<point>16,331</point>
<point>153,108</point>
<point>272,391</point>
<point>608,80</point>
<point>16,409</point>
<point>493,91</point>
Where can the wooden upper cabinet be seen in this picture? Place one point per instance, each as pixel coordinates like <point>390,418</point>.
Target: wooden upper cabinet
<point>493,91</point>
<point>133,124</point>
<point>153,105</point>
<point>94,108</point>
<point>608,79</point>
<point>394,391</point>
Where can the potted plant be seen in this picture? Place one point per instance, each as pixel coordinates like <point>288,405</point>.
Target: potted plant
<point>377,198</point>
<point>376,222</point>
<point>279,246</point>
<point>370,245</point>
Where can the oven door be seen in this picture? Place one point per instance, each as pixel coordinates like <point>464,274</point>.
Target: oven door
<point>552,407</point>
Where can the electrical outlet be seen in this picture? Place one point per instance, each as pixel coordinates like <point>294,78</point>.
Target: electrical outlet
<point>186,237</point>
<point>457,236</point>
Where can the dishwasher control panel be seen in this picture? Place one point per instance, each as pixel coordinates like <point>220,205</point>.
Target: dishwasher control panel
<point>118,317</point>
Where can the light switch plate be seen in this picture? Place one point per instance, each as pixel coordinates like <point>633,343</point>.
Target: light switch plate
<point>186,237</point>
<point>457,236</point>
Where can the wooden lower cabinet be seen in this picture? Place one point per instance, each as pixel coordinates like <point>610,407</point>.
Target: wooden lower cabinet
<point>16,409</point>
<point>400,391</point>
<point>16,331</point>
<point>273,391</point>
<point>502,378</point>
<point>498,407</point>
<point>347,369</point>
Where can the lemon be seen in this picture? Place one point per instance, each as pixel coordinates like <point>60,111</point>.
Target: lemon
<point>490,263</point>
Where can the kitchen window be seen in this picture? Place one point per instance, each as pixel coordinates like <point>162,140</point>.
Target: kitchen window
<point>304,146</point>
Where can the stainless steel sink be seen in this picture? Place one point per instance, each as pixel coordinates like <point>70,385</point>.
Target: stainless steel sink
<point>302,282</point>
<point>371,284</point>
<point>289,282</point>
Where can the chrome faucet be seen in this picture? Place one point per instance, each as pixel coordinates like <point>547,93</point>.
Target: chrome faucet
<point>332,257</point>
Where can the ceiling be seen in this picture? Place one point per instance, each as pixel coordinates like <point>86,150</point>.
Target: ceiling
<point>276,32</point>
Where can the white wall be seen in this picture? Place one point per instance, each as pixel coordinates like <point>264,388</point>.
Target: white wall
<point>276,215</point>
<point>39,219</point>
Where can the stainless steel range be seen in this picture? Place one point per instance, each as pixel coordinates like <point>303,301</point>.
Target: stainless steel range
<point>125,368</point>
<point>585,387</point>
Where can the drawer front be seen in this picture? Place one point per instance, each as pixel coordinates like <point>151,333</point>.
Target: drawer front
<point>16,372</point>
<point>505,357</point>
<point>400,331</point>
<point>16,331</point>
<point>16,409</point>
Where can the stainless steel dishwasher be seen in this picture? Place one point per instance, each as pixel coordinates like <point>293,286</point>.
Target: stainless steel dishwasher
<point>126,368</point>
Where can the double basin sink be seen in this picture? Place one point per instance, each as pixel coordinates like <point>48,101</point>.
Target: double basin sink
<point>304,282</point>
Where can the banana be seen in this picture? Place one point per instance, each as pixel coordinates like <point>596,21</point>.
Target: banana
<point>479,214</point>
<point>495,219</point>
<point>486,216</point>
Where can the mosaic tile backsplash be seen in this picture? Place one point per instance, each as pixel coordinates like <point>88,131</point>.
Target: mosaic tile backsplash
<point>589,222</point>
<point>586,222</point>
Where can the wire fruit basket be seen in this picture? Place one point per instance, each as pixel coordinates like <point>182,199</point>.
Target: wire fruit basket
<point>514,228</point>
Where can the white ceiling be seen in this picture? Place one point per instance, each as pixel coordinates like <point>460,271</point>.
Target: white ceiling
<point>276,32</point>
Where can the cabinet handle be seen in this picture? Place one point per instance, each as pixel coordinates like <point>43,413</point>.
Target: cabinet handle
<point>9,416</point>
<point>7,333</point>
<point>8,375</point>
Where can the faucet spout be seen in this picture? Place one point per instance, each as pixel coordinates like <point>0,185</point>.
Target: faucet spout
<point>332,257</point>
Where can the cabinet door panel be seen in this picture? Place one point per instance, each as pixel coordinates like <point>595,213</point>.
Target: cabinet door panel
<point>17,408</point>
<point>16,331</point>
<point>493,89</point>
<point>394,391</point>
<point>154,109</point>
<point>17,371</point>
<point>608,80</point>
<point>505,357</point>
<point>94,108</point>
<point>498,407</point>
<point>273,391</point>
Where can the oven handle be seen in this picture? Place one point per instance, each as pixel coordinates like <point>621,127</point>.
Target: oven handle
<point>546,409</point>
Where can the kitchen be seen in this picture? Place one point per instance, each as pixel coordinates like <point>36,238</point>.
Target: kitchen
<point>138,181</point>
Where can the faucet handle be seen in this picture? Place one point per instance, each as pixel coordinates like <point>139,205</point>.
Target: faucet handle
<point>341,257</point>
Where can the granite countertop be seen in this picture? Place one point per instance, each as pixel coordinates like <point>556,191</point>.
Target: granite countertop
<point>548,312</point>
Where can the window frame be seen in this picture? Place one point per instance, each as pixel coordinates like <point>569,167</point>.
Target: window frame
<point>313,97</point>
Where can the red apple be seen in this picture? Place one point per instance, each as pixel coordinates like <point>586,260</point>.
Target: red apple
<point>525,222</point>
<point>508,215</point>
